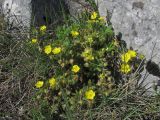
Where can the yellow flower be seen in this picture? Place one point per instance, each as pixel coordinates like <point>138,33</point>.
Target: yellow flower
<point>125,57</point>
<point>94,15</point>
<point>132,53</point>
<point>75,68</point>
<point>47,49</point>
<point>89,95</point>
<point>39,84</point>
<point>56,50</point>
<point>52,82</point>
<point>125,68</point>
<point>34,40</point>
<point>43,28</point>
<point>74,33</point>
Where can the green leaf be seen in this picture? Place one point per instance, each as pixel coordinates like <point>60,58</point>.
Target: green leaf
<point>109,31</point>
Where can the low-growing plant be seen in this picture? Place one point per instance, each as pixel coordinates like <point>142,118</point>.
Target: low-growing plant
<point>82,62</point>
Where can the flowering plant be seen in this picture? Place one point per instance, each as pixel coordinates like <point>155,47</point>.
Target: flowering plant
<point>85,61</point>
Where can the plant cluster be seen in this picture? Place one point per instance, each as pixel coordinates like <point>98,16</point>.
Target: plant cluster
<point>83,60</point>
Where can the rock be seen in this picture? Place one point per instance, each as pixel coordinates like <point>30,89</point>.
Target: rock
<point>17,12</point>
<point>1,2</point>
<point>139,22</point>
<point>76,6</point>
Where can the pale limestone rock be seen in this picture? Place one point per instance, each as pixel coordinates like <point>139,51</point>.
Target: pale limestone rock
<point>139,22</point>
<point>17,12</point>
<point>76,6</point>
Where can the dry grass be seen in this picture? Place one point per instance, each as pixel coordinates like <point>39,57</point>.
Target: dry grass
<point>15,85</point>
